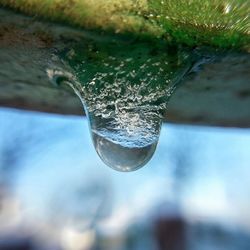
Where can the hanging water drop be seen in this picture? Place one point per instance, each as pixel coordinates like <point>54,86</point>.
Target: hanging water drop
<point>126,140</point>
<point>125,88</point>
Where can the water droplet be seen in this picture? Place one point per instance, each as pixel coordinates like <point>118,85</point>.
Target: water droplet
<point>120,157</point>
<point>125,101</point>
<point>126,139</point>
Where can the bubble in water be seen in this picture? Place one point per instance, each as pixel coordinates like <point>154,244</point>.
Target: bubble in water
<point>125,87</point>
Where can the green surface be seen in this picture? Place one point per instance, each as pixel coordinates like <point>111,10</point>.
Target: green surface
<point>135,73</point>
<point>224,23</point>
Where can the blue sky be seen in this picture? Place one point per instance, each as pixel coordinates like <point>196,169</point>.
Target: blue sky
<point>214,165</point>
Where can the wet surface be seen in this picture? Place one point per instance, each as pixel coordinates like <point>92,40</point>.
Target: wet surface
<point>192,103</point>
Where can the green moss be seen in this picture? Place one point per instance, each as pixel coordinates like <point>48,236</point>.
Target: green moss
<point>211,22</point>
<point>224,23</point>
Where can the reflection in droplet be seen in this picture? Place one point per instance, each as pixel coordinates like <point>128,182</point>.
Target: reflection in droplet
<point>126,140</point>
<point>125,87</point>
<point>120,157</point>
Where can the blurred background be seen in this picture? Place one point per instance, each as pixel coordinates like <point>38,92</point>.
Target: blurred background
<point>55,193</point>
